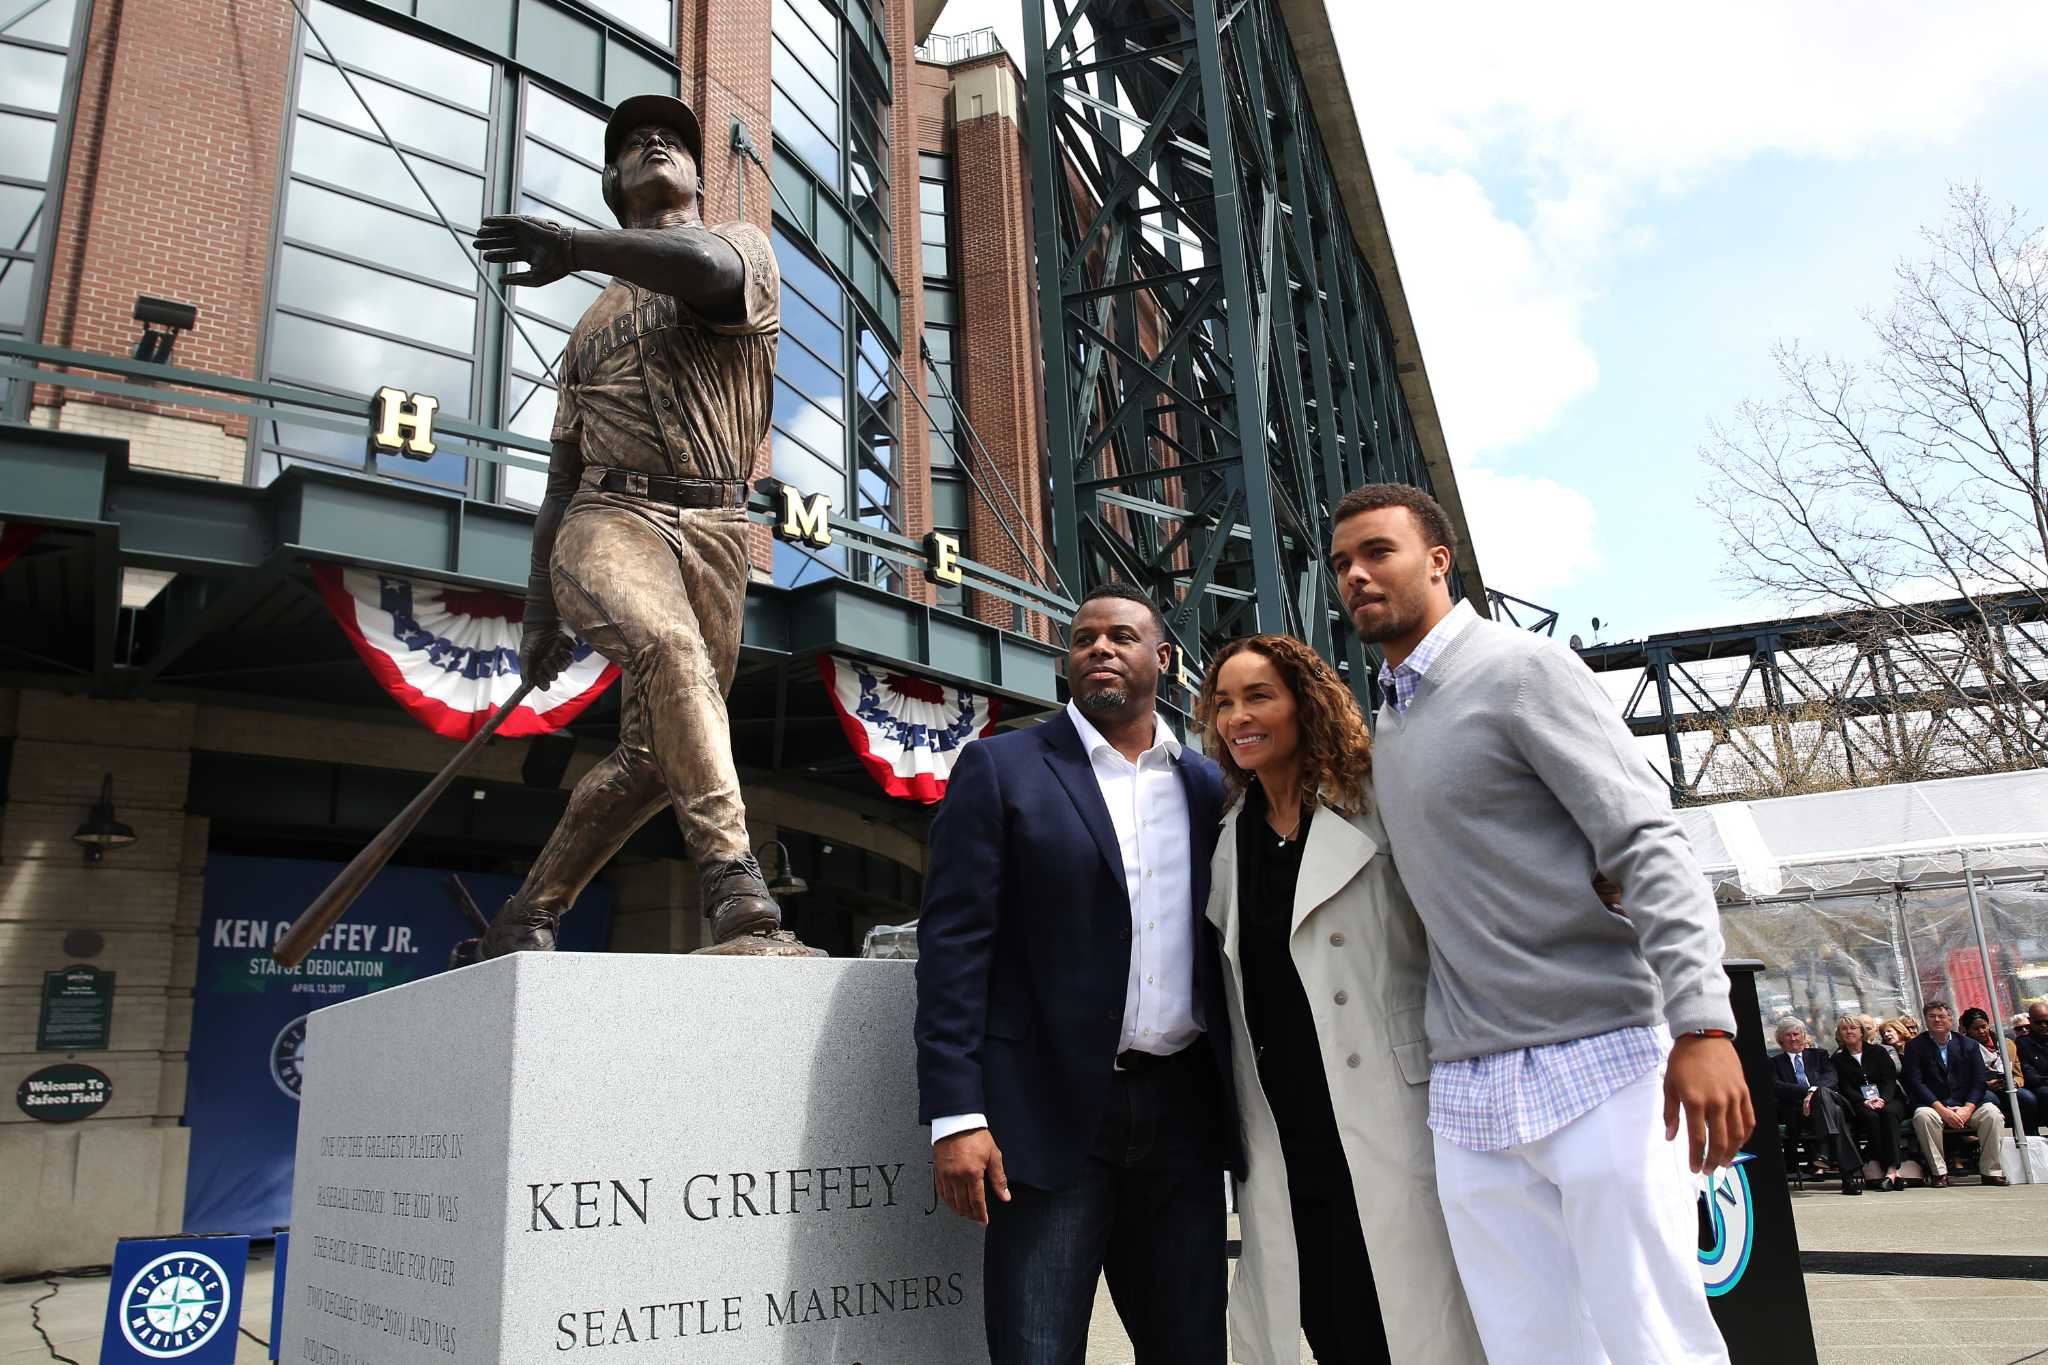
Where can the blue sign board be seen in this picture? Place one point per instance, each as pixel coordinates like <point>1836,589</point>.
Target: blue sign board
<point>245,1063</point>
<point>174,1298</point>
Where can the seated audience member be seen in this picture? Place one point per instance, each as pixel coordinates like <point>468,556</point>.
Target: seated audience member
<point>2033,1049</point>
<point>2001,1068</point>
<point>1944,1075</point>
<point>1810,1101</point>
<point>1869,1081</point>
<point>1891,1039</point>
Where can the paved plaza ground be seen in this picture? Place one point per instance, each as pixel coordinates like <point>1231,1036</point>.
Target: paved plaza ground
<point>1883,1282</point>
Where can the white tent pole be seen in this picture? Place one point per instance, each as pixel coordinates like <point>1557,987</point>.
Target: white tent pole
<point>1912,991</point>
<point>2012,1099</point>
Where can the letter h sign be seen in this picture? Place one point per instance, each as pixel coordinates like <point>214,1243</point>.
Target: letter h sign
<point>404,423</point>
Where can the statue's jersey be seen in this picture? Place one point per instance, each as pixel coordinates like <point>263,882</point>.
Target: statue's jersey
<point>649,385</point>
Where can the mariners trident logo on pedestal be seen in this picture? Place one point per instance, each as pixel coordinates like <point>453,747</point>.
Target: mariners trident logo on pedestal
<point>175,1305</point>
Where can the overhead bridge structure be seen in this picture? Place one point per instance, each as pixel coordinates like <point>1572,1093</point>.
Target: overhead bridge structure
<point>1227,346</point>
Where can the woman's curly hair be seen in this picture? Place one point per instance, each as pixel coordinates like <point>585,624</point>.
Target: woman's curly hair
<point>1336,748</point>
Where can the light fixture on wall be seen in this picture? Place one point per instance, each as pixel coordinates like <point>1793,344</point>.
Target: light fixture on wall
<point>162,321</point>
<point>101,831</point>
<point>784,883</point>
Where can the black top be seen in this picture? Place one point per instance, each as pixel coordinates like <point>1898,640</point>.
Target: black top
<point>1283,1032</point>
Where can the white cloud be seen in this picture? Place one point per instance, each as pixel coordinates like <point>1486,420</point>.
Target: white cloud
<point>1533,535</point>
<point>1519,148</point>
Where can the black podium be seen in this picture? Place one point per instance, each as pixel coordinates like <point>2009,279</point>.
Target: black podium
<point>1749,1248</point>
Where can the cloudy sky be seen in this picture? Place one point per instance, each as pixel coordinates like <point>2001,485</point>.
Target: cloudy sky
<point>1606,213</point>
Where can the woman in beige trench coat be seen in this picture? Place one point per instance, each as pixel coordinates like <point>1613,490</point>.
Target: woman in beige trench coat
<point>1277,710</point>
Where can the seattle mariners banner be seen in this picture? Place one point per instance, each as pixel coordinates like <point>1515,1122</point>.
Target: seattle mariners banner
<point>249,1014</point>
<point>908,731</point>
<point>451,655</point>
<point>174,1298</point>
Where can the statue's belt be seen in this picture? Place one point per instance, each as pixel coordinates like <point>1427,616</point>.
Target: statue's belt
<point>701,493</point>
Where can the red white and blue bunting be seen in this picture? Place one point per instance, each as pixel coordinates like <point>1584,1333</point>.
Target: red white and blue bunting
<point>451,655</point>
<point>908,731</point>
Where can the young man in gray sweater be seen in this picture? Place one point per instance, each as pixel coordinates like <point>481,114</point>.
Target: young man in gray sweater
<point>1560,1030</point>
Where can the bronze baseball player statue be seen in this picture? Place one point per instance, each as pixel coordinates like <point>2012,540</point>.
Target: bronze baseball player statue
<point>639,547</point>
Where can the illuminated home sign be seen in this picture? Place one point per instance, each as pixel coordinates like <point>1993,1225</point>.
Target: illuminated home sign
<point>806,519</point>
<point>403,423</point>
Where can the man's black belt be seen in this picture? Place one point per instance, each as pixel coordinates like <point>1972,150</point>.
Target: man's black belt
<point>698,493</point>
<point>1132,1062</point>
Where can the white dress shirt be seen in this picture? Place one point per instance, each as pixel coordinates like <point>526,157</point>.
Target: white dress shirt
<point>1148,808</point>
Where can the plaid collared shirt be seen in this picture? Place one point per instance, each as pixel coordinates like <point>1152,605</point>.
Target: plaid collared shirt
<point>1489,1104</point>
<point>1398,685</point>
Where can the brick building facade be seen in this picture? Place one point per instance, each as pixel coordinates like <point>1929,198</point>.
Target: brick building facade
<point>207,153</point>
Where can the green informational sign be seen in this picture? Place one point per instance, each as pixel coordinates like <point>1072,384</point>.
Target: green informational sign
<point>78,1010</point>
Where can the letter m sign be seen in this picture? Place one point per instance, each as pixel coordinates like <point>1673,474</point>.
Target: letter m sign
<point>403,423</point>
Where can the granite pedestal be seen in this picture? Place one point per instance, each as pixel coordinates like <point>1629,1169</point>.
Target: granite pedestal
<point>566,1157</point>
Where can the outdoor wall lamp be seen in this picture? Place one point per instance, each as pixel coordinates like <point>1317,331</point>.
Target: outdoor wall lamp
<point>162,320</point>
<point>101,831</point>
<point>784,883</point>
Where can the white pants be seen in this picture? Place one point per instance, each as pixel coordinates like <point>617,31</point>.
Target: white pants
<point>1583,1248</point>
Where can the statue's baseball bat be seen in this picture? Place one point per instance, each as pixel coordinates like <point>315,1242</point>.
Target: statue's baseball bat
<point>341,893</point>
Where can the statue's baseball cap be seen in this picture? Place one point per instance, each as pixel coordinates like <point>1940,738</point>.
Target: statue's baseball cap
<point>666,111</point>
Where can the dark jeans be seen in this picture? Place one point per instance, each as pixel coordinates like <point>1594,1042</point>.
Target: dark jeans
<point>1879,1131</point>
<point>2030,1105</point>
<point>1340,1311</point>
<point>1830,1121</point>
<point>1146,1212</point>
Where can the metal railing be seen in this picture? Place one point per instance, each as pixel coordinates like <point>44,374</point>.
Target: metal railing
<point>944,49</point>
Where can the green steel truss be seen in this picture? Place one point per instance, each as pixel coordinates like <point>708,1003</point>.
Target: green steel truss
<point>1219,365</point>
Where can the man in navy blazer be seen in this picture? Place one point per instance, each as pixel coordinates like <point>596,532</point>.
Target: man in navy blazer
<point>1944,1076</point>
<point>1072,1040</point>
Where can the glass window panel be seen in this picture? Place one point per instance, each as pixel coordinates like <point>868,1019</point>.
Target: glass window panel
<point>935,262</point>
<point>931,197</point>
<point>324,218</point>
<point>797,135</point>
<point>31,79</point>
<point>939,341</point>
<point>49,24</point>
<point>563,124</point>
<point>812,31</point>
<point>561,45</point>
<point>523,487</point>
<point>529,205</point>
<point>486,23</point>
<point>833,234</point>
<point>444,467</point>
<point>935,167</point>
<point>20,210</point>
<point>949,504</point>
<point>25,146</point>
<point>569,183</point>
<point>802,89</point>
<point>552,341</point>
<point>411,121</point>
<point>942,447</point>
<point>794,567</point>
<point>811,376</point>
<point>354,293</point>
<point>533,414</point>
<point>807,276</point>
<point>804,421</point>
<point>327,445</point>
<point>941,306</point>
<point>564,302</point>
<point>628,71</point>
<point>372,168</point>
<point>15,276</point>
<point>931,228</point>
<point>814,329</point>
<point>808,471</point>
<point>331,357</point>
<point>653,18</point>
<point>401,57</point>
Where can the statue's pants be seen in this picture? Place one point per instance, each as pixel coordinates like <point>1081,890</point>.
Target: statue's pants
<point>660,591</point>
